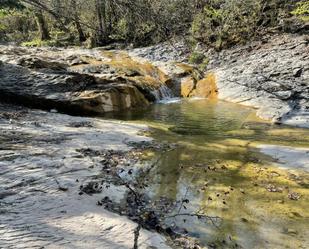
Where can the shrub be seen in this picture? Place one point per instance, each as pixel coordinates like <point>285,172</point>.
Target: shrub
<point>16,25</point>
<point>40,43</point>
<point>302,11</point>
<point>196,58</point>
<point>204,64</point>
<point>225,23</point>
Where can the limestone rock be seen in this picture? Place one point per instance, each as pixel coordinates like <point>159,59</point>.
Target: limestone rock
<point>114,99</point>
<point>271,75</point>
<point>206,88</point>
<point>187,86</point>
<point>69,92</point>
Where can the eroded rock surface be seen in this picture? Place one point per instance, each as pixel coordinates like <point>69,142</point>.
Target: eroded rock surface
<point>79,80</point>
<point>44,160</point>
<point>271,75</point>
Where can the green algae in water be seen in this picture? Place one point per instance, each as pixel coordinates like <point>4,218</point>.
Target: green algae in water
<point>219,169</point>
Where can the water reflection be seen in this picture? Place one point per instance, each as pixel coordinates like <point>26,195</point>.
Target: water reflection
<point>219,168</point>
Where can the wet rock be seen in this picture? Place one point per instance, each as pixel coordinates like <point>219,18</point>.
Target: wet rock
<point>273,188</point>
<point>37,63</point>
<point>187,86</point>
<point>206,88</point>
<point>294,196</point>
<point>80,124</point>
<point>91,188</point>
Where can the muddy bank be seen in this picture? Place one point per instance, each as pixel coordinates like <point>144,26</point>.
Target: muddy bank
<point>43,164</point>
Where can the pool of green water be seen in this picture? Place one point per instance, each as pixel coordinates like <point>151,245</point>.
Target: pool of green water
<point>219,168</point>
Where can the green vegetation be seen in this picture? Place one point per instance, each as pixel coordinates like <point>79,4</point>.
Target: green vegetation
<point>196,58</point>
<point>200,59</point>
<point>228,24</point>
<point>214,23</point>
<point>40,43</point>
<point>302,11</point>
<point>204,64</point>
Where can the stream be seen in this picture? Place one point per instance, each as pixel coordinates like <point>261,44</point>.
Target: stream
<point>222,167</point>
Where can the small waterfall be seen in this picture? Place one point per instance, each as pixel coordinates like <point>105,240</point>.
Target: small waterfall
<point>163,93</point>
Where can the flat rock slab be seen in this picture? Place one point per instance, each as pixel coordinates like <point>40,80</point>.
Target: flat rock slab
<point>41,171</point>
<point>271,75</point>
<point>286,156</point>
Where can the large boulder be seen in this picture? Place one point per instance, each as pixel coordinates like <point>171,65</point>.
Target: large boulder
<point>69,92</point>
<point>118,98</point>
<point>146,77</point>
<point>203,88</point>
<point>206,88</point>
<point>187,86</point>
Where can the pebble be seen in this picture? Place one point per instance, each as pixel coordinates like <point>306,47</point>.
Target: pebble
<point>294,196</point>
<point>244,220</point>
<point>291,231</point>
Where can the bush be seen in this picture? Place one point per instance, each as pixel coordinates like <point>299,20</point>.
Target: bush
<point>16,25</point>
<point>40,43</point>
<point>196,58</point>
<point>302,11</point>
<point>222,24</point>
<point>204,64</point>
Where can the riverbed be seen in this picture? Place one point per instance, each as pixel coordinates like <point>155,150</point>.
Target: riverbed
<point>218,174</point>
<point>251,176</point>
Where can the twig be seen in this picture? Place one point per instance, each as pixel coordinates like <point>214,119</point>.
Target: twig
<point>136,236</point>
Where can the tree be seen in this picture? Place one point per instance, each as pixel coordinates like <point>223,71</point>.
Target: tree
<point>10,4</point>
<point>42,25</point>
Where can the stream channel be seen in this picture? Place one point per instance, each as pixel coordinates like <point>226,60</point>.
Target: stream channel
<point>229,164</point>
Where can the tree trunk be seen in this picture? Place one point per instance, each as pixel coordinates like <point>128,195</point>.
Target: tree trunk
<point>80,31</point>
<point>81,35</point>
<point>42,26</point>
<point>102,27</point>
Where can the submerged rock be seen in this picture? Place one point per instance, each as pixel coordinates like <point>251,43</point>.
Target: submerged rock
<point>273,188</point>
<point>294,196</point>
